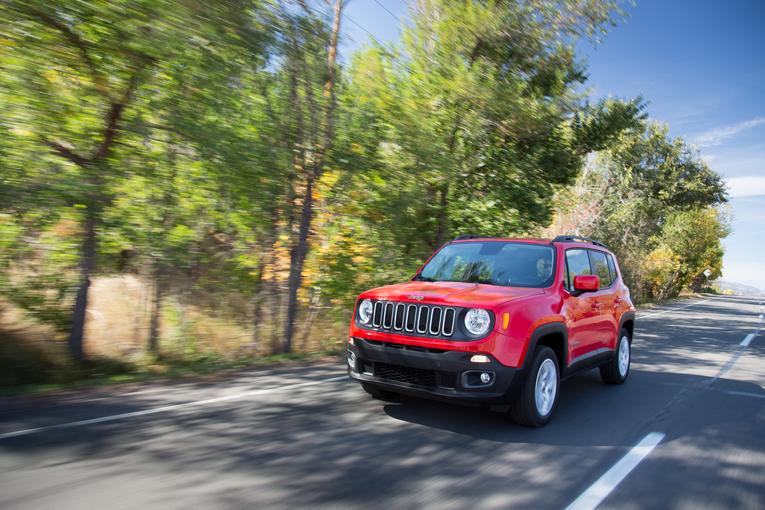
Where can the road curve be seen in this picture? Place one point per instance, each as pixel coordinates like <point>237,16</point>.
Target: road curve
<point>686,431</point>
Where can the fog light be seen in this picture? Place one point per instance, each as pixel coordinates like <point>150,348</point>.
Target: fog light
<point>480,358</point>
<point>350,341</point>
<point>485,377</point>
<point>352,360</point>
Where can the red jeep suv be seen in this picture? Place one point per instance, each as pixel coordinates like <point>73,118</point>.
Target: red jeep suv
<point>496,321</point>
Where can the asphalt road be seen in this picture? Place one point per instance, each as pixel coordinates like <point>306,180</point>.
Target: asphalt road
<point>307,437</point>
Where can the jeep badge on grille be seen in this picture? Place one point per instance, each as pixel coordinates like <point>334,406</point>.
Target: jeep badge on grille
<point>416,298</point>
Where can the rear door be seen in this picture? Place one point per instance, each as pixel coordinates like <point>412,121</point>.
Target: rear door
<point>604,325</point>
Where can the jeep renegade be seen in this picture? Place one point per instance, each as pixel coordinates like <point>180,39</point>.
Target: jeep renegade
<point>496,321</point>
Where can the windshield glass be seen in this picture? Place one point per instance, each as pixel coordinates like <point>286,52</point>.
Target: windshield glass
<point>496,263</point>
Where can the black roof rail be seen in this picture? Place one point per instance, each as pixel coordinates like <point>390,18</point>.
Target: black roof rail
<point>468,236</point>
<point>579,239</point>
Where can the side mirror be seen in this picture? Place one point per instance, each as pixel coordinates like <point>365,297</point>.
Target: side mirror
<point>586,283</point>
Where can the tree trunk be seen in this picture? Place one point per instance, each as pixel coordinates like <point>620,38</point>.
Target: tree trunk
<point>313,311</point>
<point>698,283</point>
<point>297,259</point>
<point>87,263</point>
<point>262,290</point>
<point>277,300</point>
<point>257,303</point>
<point>156,309</point>
<point>443,216</point>
<point>160,267</point>
<point>300,248</point>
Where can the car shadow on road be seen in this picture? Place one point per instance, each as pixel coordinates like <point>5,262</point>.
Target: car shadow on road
<point>585,405</point>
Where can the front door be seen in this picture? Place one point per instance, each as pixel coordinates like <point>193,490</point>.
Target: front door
<point>583,311</point>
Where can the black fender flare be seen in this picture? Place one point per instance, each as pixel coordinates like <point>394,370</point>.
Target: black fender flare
<point>544,330</point>
<point>627,316</point>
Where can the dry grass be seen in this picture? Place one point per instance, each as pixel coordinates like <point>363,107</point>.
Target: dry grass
<point>193,339</point>
<point>117,322</point>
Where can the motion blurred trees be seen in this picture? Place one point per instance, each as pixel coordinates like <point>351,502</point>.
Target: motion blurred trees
<point>224,155</point>
<point>76,74</point>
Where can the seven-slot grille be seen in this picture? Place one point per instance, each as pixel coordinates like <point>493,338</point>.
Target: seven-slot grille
<point>432,320</point>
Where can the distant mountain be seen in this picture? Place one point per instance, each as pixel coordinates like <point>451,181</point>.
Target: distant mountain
<point>738,289</point>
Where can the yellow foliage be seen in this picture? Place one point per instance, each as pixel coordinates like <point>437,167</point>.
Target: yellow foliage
<point>661,267</point>
<point>51,75</point>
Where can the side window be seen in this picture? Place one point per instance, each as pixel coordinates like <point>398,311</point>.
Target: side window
<point>611,267</point>
<point>577,263</point>
<point>600,268</point>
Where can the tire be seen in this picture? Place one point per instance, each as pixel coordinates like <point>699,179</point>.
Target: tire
<point>377,392</point>
<point>529,411</point>
<point>618,369</point>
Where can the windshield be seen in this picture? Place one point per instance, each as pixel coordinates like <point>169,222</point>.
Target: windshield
<point>495,263</point>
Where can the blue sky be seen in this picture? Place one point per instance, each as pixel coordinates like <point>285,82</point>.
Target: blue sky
<point>700,64</point>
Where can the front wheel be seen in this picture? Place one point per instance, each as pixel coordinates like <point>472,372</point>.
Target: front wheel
<point>536,402</point>
<point>617,370</point>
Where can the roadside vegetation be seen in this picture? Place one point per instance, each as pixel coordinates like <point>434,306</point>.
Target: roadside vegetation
<point>205,184</point>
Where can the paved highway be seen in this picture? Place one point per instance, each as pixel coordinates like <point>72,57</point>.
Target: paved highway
<point>686,431</point>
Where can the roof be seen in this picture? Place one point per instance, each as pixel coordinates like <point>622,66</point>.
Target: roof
<point>529,240</point>
<point>568,239</point>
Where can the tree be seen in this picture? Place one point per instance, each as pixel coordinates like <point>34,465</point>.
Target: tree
<point>694,236</point>
<point>644,195</point>
<point>95,63</point>
<point>470,125</point>
<point>77,69</point>
<point>312,144</point>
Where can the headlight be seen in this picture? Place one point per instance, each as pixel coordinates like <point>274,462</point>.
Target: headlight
<point>477,321</point>
<point>365,311</point>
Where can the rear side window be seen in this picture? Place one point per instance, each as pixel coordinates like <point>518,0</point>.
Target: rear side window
<point>577,263</point>
<point>611,267</point>
<point>600,268</point>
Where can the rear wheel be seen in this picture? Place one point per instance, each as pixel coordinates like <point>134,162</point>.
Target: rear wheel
<point>617,370</point>
<point>377,392</point>
<point>539,394</point>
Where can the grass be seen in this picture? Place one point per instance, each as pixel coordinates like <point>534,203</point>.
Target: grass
<point>195,342</point>
<point>647,305</point>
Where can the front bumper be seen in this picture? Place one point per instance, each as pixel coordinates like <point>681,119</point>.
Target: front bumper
<point>431,373</point>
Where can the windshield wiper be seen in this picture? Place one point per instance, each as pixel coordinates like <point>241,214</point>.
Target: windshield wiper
<point>482,281</point>
<point>421,278</point>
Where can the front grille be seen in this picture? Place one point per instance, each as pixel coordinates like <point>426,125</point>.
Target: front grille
<point>409,375</point>
<point>430,320</point>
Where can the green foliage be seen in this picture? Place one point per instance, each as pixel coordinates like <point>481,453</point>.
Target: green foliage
<point>470,125</point>
<point>654,201</point>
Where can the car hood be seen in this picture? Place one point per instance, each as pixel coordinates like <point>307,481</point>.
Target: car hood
<point>450,293</point>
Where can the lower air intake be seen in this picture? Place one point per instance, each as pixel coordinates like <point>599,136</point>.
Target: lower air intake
<point>409,375</point>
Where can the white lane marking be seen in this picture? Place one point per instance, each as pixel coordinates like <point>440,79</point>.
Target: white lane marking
<point>162,409</point>
<point>745,394</point>
<point>746,341</point>
<point>653,314</point>
<point>600,490</point>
